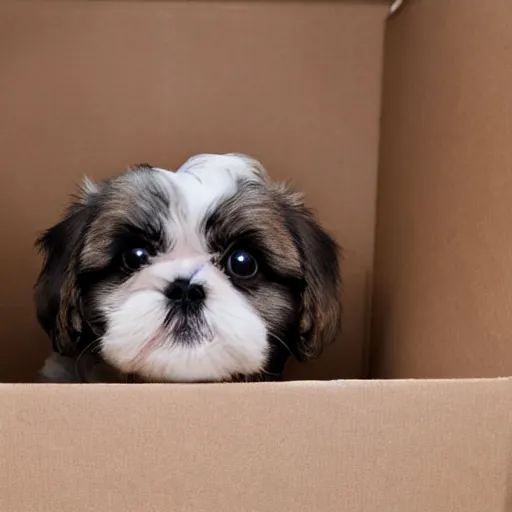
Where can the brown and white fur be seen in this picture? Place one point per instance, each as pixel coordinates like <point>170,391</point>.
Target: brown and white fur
<point>209,273</point>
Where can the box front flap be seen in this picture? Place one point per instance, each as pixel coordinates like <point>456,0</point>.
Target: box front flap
<point>411,446</point>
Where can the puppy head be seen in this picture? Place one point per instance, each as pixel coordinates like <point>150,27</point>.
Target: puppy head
<point>206,274</point>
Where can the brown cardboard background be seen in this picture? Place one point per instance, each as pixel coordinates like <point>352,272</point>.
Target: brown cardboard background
<point>92,87</point>
<point>443,289</point>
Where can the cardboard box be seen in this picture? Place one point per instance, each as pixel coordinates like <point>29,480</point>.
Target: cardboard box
<point>397,128</point>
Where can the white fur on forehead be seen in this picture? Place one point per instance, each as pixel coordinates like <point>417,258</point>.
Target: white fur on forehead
<point>204,180</point>
<point>235,164</point>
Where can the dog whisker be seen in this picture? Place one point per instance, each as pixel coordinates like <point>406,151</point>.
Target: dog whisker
<point>277,338</point>
<point>89,347</point>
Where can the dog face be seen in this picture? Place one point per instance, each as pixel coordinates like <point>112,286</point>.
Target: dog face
<point>210,273</point>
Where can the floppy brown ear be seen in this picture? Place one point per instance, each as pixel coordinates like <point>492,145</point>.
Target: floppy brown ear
<point>56,295</point>
<point>321,302</point>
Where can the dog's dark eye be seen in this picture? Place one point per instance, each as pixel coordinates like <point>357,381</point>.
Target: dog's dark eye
<point>135,258</point>
<point>241,264</point>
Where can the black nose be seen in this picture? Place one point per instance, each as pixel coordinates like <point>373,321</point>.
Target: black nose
<point>182,290</point>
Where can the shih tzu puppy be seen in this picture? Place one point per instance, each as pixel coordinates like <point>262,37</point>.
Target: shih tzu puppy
<point>209,273</point>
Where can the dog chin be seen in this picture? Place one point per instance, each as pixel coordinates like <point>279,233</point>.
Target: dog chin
<point>231,338</point>
<point>159,358</point>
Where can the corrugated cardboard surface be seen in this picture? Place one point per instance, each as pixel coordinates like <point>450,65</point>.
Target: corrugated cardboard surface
<point>443,297</point>
<point>92,87</point>
<point>418,446</point>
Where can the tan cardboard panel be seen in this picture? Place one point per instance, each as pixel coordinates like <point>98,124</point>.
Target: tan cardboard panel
<point>443,293</point>
<point>353,446</point>
<point>92,87</point>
